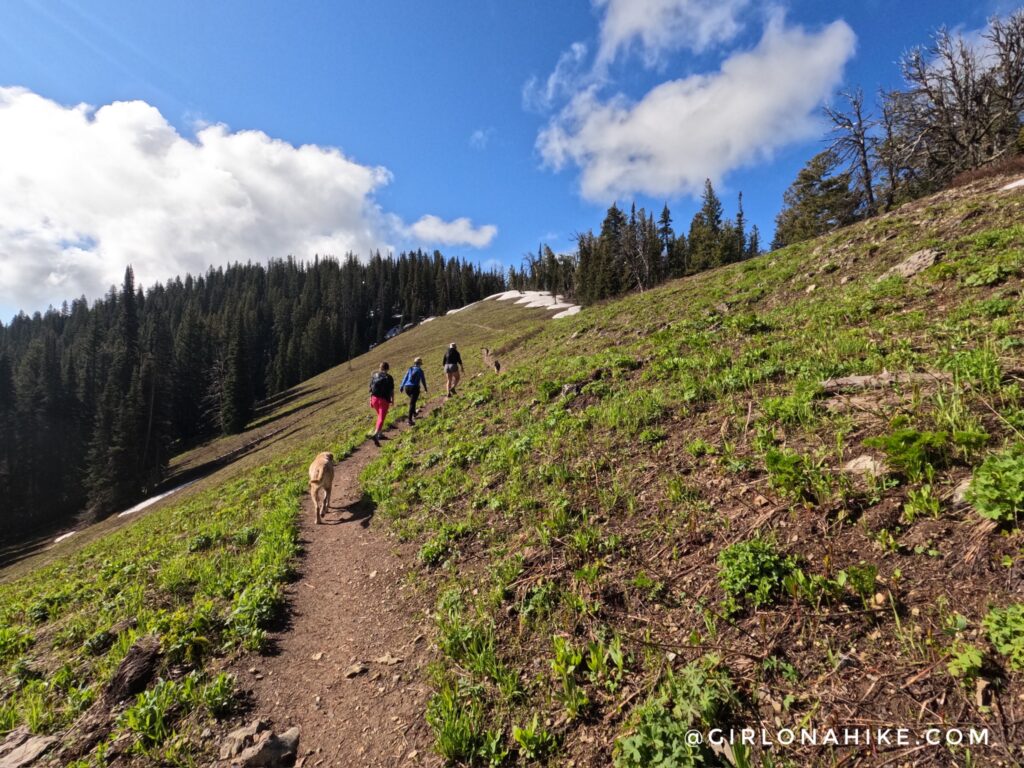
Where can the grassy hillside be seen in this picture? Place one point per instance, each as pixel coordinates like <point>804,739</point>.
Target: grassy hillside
<point>203,570</point>
<point>648,524</point>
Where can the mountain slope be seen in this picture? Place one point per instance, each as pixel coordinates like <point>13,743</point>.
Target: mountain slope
<point>651,523</point>
<point>203,571</point>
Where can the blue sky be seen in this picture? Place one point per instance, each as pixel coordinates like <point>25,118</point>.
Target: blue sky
<point>425,128</point>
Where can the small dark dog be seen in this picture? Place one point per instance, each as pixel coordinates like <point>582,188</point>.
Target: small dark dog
<point>491,361</point>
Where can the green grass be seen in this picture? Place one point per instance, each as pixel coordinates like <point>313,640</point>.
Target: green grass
<point>203,571</point>
<point>685,435</point>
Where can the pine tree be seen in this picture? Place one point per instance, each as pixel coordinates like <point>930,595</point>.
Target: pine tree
<point>705,240</point>
<point>8,446</point>
<point>817,202</point>
<point>237,400</point>
<point>753,243</point>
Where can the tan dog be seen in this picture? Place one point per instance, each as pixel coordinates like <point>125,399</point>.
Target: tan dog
<point>321,478</point>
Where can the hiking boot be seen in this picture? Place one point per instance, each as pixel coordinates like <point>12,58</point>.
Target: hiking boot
<point>376,439</point>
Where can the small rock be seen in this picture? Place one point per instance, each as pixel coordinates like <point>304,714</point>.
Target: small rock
<point>241,738</point>
<point>761,501</point>
<point>317,656</point>
<point>373,574</point>
<point>355,670</point>
<point>960,492</point>
<point>270,750</point>
<point>21,748</point>
<point>982,695</point>
<point>879,599</point>
<point>387,659</point>
<point>914,263</point>
<point>810,288</point>
<point>865,465</point>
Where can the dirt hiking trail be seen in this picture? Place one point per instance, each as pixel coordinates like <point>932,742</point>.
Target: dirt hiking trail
<point>346,668</point>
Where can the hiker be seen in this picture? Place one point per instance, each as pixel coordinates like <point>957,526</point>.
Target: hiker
<point>453,368</point>
<point>414,379</point>
<point>382,397</point>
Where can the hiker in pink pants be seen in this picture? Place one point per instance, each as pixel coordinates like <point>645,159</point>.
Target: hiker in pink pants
<point>382,396</point>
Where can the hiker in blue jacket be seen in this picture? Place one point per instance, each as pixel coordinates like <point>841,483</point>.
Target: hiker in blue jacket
<point>414,379</point>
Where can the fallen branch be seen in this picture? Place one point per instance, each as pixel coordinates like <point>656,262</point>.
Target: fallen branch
<point>879,380</point>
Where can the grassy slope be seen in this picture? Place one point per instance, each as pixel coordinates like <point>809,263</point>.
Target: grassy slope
<point>202,570</point>
<point>576,538</point>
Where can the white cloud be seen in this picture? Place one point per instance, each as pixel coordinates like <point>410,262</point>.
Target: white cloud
<point>481,137</point>
<point>660,26</point>
<point>85,191</point>
<point>432,229</point>
<point>701,126</point>
<point>564,80</point>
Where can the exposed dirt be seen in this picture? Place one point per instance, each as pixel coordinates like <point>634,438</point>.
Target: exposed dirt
<point>349,610</point>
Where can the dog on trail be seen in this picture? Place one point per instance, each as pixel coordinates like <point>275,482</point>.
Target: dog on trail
<point>321,477</point>
<point>491,361</point>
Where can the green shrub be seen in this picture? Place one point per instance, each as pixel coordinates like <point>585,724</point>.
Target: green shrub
<point>150,717</point>
<point>218,696</point>
<point>965,661</point>
<point>700,695</point>
<point>535,742</point>
<point>910,452</point>
<point>753,572</point>
<point>997,488</point>
<point>568,659</point>
<point>1005,627</point>
<point>13,642</point>
<point>457,723</point>
<point>438,548</point>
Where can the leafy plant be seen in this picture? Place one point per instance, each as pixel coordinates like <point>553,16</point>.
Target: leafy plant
<point>151,714</point>
<point>1005,628</point>
<point>567,661</point>
<point>218,696</point>
<point>997,488</point>
<point>699,695</point>
<point>911,452</point>
<point>535,742</point>
<point>13,642</point>
<point>965,661</point>
<point>457,722</point>
<point>921,502</point>
<point>863,579</point>
<point>753,572</point>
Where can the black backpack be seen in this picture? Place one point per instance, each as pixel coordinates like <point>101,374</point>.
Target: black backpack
<point>379,384</point>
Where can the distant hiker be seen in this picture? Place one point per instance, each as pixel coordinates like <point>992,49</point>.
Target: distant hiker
<point>382,397</point>
<point>453,368</point>
<point>414,379</point>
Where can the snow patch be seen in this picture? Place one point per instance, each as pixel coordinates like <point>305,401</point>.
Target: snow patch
<point>63,536</point>
<point>1012,185</point>
<point>153,500</point>
<point>538,300</point>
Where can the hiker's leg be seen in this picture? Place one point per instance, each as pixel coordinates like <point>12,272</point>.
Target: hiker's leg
<point>414,394</point>
<point>381,407</point>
